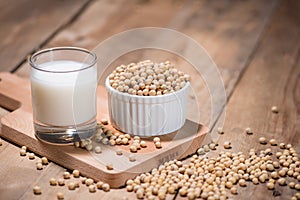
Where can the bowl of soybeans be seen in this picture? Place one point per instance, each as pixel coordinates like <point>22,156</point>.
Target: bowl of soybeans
<point>147,98</point>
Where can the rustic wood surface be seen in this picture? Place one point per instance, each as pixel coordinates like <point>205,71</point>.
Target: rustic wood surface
<point>27,25</point>
<point>255,45</point>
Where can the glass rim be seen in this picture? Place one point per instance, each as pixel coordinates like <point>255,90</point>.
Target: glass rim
<point>36,66</point>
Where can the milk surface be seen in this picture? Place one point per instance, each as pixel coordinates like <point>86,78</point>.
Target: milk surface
<point>64,98</point>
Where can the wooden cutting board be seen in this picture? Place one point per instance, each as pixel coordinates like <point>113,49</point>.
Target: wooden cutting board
<point>17,127</point>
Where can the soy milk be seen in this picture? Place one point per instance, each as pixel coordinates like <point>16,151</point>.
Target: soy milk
<point>66,97</point>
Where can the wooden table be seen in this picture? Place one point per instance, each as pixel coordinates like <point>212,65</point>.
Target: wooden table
<point>255,45</point>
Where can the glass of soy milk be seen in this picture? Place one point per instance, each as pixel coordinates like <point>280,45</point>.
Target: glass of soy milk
<point>64,94</point>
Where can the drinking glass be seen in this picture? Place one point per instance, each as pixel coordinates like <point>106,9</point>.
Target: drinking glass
<point>64,94</point>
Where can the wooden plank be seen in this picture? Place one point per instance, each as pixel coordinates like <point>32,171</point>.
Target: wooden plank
<point>27,24</point>
<point>272,79</point>
<point>18,128</point>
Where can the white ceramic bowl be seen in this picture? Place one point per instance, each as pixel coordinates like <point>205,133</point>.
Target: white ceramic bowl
<point>147,115</point>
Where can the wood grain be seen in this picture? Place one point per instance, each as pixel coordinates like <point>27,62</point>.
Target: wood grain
<point>27,24</point>
<point>230,32</point>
